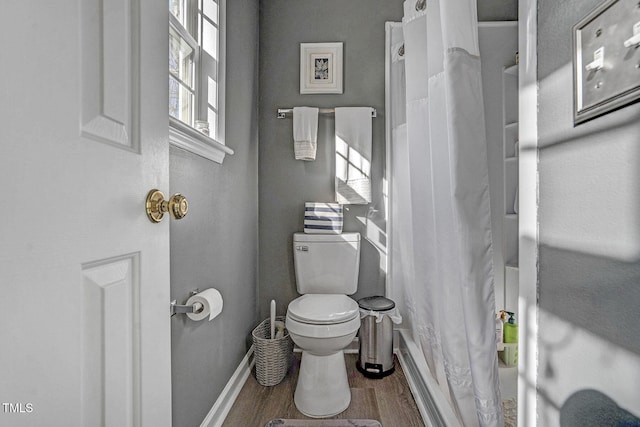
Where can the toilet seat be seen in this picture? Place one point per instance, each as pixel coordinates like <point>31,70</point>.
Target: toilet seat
<point>327,330</point>
<point>323,309</point>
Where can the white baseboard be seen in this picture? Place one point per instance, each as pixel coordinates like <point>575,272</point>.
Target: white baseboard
<point>229,394</point>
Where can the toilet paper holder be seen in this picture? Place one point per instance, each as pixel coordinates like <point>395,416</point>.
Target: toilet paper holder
<point>176,308</point>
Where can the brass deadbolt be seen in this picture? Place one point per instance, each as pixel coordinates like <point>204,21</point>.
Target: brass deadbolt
<point>156,206</point>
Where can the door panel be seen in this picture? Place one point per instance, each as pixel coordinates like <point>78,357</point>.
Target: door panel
<point>84,275</point>
<point>110,63</point>
<point>111,341</point>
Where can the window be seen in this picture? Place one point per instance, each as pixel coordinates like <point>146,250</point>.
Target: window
<point>196,73</point>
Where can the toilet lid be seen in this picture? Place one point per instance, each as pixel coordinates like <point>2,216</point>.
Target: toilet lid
<point>323,308</point>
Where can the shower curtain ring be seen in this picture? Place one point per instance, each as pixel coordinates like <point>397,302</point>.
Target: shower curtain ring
<point>421,5</point>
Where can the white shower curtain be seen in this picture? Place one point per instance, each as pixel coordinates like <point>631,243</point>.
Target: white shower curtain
<point>441,252</point>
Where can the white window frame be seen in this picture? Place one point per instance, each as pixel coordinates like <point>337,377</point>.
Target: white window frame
<point>184,136</point>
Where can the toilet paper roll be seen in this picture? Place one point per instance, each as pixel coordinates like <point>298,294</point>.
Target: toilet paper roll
<point>211,301</point>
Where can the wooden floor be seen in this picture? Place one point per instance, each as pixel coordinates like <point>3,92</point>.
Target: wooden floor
<point>387,400</point>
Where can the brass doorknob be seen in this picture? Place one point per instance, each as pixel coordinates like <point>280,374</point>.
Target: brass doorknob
<point>156,206</point>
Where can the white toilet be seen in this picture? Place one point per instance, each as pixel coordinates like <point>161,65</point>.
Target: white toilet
<point>324,320</point>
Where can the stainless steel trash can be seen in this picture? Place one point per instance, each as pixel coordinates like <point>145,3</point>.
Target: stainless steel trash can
<point>375,359</point>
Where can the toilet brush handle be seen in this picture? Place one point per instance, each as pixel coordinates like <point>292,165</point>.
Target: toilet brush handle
<point>273,319</point>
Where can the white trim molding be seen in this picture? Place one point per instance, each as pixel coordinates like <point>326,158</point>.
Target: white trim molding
<point>528,213</point>
<point>220,409</point>
<point>187,138</point>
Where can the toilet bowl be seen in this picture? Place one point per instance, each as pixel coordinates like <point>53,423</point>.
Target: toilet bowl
<point>322,325</point>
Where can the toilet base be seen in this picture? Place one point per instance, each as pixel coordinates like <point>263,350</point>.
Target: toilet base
<point>323,387</point>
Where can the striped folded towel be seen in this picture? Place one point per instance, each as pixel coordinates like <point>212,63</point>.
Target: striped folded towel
<point>322,218</point>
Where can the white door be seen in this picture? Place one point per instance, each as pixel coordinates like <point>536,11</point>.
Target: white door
<point>84,275</point>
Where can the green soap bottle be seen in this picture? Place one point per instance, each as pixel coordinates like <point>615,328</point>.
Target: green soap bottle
<point>510,329</point>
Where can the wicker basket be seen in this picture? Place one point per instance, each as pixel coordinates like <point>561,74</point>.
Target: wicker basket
<point>272,356</point>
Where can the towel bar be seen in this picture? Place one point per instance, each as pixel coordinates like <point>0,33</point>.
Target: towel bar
<point>282,112</point>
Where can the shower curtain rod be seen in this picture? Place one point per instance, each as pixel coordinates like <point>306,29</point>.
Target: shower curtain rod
<point>282,112</point>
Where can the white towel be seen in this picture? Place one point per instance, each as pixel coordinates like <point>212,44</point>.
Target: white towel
<point>353,155</point>
<point>322,218</point>
<point>305,132</point>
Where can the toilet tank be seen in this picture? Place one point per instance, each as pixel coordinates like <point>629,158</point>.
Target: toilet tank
<point>326,263</point>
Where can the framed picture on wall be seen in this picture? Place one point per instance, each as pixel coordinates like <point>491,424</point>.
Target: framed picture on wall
<point>320,67</point>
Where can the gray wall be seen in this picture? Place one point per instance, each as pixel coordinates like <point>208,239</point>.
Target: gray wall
<point>497,10</point>
<point>589,237</point>
<point>216,245</point>
<point>285,183</point>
